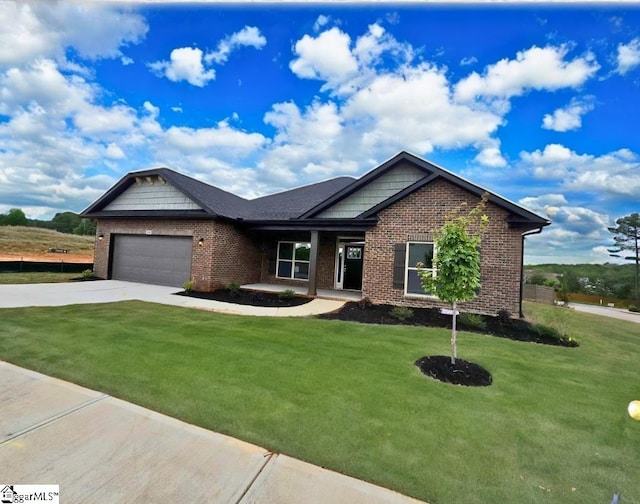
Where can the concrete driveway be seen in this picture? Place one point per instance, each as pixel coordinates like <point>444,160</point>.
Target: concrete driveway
<point>606,311</point>
<point>101,449</point>
<point>110,291</point>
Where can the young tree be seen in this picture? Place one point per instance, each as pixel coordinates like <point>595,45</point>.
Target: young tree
<point>457,261</point>
<point>627,237</point>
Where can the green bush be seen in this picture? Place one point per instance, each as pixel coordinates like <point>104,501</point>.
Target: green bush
<point>547,331</point>
<point>86,274</point>
<point>504,316</point>
<point>634,308</point>
<point>285,295</point>
<point>402,313</point>
<point>473,321</point>
<point>188,286</point>
<point>234,289</point>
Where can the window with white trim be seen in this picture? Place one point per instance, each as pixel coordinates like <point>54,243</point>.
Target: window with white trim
<point>418,252</point>
<point>293,260</point>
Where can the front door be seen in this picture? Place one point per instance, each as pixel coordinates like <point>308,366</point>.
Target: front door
<point>352,270</point>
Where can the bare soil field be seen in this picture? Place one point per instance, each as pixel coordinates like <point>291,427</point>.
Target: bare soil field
<point>33,244</point>
<point>48,257</point>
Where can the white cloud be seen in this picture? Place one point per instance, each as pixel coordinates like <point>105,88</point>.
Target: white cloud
<point>326,57</point>
<point>568,118</point>
<point>628,56</point>
<point>185,64</point>
<point>575,235</point>
<point>249,36</point>
<point>45,29</point>
<point>612,175</point>
<point>492,157</point>
<point>125,60</point>
<point>213,139</point>
<point>536,68</point>
<point>321,21</point>
<point>468,61</point>
<point>114,152</point>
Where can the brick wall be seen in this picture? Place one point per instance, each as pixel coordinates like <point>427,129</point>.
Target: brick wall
<point>424,211</point>
<point>227,255</point>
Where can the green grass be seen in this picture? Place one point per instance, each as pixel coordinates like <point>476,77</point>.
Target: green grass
<point>552,428</point>
<point>39,277</point>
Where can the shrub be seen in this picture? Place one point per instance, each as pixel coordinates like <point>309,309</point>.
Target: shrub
<point>402,313</point>
<point>188,286</point>
<point>364,303</point>
<point>234,289</point>
<point>504,316</point>
<point>86,274</point>
<point>473,320</point>
<point>547,331</point>
<point>285,295</point>
<point>634,308</point>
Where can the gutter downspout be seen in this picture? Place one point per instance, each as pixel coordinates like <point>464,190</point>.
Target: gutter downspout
<point>524,235</point>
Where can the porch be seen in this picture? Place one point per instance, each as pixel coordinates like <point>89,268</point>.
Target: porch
<point>303,291</point>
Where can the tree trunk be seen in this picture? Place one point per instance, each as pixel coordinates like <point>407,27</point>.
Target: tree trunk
<point>454,348</point>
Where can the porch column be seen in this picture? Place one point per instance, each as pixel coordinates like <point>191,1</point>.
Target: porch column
<point>313,263</point>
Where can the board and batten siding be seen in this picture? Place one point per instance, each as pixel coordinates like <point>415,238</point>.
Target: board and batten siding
<point>375,192</point>
<point>152,196</point>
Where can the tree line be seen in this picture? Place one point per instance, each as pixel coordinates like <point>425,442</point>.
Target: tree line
<point>63,222</point>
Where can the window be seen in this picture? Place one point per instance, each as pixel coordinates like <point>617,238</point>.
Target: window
<point>293,260</point>
<point>417,252</point>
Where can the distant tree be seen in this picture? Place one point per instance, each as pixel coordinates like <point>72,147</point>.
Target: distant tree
<point>536,279</point>
<point>15,217</point>
<point>65,222</point>
<point>627,237</point>
<point>86,227</point>
<point>457,261</point>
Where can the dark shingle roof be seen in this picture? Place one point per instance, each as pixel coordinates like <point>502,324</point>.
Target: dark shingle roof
<point>293,203</point>
<point>300,204</point>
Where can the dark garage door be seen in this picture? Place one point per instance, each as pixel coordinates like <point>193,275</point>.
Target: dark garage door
<point>161,260</point>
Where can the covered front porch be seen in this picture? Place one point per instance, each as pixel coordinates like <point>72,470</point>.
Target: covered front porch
<point>304,291</point>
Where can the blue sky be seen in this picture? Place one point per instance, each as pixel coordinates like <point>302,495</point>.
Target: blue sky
<point>539,103</point>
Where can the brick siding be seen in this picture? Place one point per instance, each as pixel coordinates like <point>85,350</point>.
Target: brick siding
<point>227,254</point>
<point>424,211</point>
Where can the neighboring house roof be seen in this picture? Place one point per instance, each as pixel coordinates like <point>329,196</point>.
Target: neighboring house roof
<point>307,205</point>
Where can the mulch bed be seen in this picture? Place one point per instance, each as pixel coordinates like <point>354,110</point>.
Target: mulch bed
<point>460,373</point>
<point>248,297</point>
<point>503,327</point>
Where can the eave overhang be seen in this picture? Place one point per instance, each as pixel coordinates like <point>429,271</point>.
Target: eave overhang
<point>337,225</point>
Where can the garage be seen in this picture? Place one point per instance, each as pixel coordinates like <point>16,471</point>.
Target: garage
<point>160,260</point>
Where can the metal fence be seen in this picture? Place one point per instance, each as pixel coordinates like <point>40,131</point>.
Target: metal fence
<point>43,267</point>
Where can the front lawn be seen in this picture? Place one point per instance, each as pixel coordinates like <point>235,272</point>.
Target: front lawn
<point>551,428</point>
<point>36,277</point>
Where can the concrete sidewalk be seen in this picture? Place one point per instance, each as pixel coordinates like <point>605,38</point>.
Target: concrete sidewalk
<point>101,449</point>
<point>110,291</point>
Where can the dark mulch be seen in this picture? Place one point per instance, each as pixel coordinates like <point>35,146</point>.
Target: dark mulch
<point>460,373</point>
<point>248,297</point>
<point>503,327</point>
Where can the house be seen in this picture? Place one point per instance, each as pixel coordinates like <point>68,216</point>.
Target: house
<point>364,235</point>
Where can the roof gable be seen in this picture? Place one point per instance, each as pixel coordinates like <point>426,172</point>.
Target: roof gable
<point>430,173</point>
<point>151,193</point>
<point>197,197</point>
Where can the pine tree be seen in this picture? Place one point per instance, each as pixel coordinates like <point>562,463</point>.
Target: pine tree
<point>627,237</point>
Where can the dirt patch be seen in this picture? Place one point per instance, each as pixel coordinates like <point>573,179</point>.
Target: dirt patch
<point>248,297</point>
<point>48,257</point>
